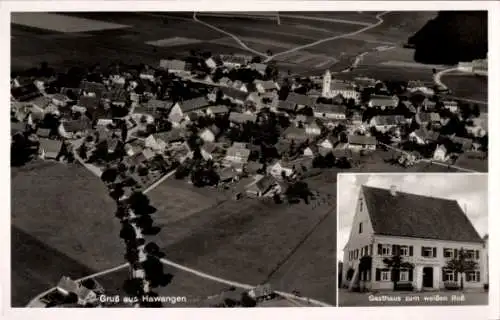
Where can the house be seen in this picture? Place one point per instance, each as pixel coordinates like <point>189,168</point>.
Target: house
<point>452,106</point>
<point>331,88</point>
<point>118,96</point>
<point>280,168</point>
<point>311,151</point>
<point>328,143</point>
<point>147,74</point>
<point>234,61</point>
<point>440,153</point>
<point>383,102</point>
<point>72,128</point>
<point>41,102</point>
<point>330,111</point>
<point>43,132</point>
<point>239,85</point>
<point>422,230</point>
<point>259,67</point>
<point>193,104</point>
<point>209,134</point>
<point>174,66</point>
<point>172,136</point>
<point>157,145</point>
<point>227,174</point>
<point>266,86</point>
<point>225,81</point>
<point>262,186</point>
<point>240,118</point>
<point>423,136</point>
<point>295,134</point>
<point>60,100</point>
<point>88,102</point>
<point>49,149</point>
<point>465,144</point>
<point>210,63</point>
<point>237,154</point>
<point>312,128</point>
<point>94,89</point>
<point>426,118</point>
<point>386,122</point>
<point>234,95</point>
<point>358,142</point>
<point>286,106</point>
<point>300,101</point>
<point>25,93</point>
<point>217,110</point>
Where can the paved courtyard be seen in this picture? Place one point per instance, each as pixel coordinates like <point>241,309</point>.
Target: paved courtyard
<point>390,298</point>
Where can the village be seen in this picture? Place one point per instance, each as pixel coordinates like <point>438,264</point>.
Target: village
<point>230,122</point>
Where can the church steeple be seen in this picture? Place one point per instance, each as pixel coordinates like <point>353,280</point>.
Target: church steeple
<point>327,81</point>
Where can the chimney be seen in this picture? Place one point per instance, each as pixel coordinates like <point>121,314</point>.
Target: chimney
<point>393,190</point>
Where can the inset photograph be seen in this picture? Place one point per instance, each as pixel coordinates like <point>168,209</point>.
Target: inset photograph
<point>412,239</point>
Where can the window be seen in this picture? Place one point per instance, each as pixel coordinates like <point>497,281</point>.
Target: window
<point>404,251</point>
<point>449,276</point>
<point>361,205</point>
<point>469,254</point>
<point>448,253</point>
<point>356,255</point>
<point>428,252</point>
<point>404,275</point>
<point>385,275</point>
<point>477,254</point>
<point>361,227</point>
<point>473,276</point>
<point>367,253</point>
<point>384,249</point>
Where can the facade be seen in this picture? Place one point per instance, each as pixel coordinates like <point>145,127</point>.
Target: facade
<point>424,231</point>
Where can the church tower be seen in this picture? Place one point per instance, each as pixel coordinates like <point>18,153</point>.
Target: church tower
<point>327,82</point>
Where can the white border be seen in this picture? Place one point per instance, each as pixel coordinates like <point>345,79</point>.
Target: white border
<point>384,313</point>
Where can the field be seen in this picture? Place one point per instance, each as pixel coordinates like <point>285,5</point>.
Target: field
<point>62,224</point>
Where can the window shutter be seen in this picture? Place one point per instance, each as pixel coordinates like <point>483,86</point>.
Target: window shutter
<point>478,275</point>
<point>477,254</point>
<point>443,274</point>
<point>377,274</point>
<point>444,250</point>
<point>379,250</point>
<point>411,251</point>
<point>410,274</point>
<point>455,253</point>
<point>393,250</point>
<point>434,253</point>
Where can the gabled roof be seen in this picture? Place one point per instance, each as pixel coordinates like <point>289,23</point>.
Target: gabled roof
<point>267,85</point>
<point>117,95</point>
<point>234,93</point>
<point>286,105</point>
<point>388,120</point>
<point>330,108</point>
<point>88,102</point>
<point>193,104</point>
<point>466,143</point>
<point>358,139</point>
<point>417,216</point>
<point>42,102</point>
<point>158,104</point>
<point>95,87</point>
<point>300,99</point>
<point>25,93</point>
<point>173,64</point>
<point>261,67</point>
<point>16,128</point>
<point>173,135</point>
<point>238,117</point>
<point>218,109</point>
<point>429,135</point>
<point>429,117</point>
<point>383,101</point>
<point>76,125</point>
<point>294,133</point>
<point>76,91</point>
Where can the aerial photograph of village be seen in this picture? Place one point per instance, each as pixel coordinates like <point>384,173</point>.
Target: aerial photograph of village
<point>193,159</point>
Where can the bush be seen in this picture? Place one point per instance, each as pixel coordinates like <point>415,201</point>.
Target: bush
<point>451,286</point>
<point>403,287</point>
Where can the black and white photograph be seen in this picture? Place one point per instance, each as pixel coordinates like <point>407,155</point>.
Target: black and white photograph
<point>413,239</point>
<point>189,159</point>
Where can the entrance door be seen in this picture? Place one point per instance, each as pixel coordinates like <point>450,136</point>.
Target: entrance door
<point>427,277</point>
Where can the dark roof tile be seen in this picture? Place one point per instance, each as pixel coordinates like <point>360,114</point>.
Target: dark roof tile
<point>417,216</point>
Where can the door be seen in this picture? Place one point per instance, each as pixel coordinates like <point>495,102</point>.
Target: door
<point>427,277</point>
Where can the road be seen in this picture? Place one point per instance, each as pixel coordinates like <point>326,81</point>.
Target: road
<point>302,47</point>
<point>438,75</point>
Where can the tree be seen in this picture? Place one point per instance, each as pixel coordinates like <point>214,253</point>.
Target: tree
<point>461,265</point>
<point>396,263</point>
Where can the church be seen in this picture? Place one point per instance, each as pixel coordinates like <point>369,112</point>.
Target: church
<point>333,88</point>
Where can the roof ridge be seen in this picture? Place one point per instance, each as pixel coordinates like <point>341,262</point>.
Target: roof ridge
<point>411,194</point>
